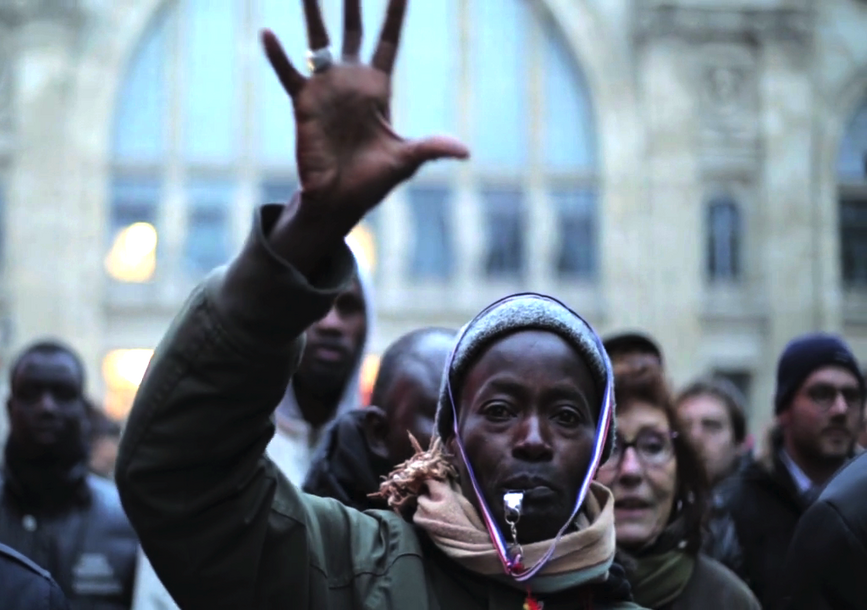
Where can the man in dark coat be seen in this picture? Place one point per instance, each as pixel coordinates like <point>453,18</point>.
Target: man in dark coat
<point>819,405</point>
<point>52,510</point>
<point>364,445</point>
<point>827,559</point>
<point>26,586</point>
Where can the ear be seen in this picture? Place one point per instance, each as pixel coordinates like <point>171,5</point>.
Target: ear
<point>375,426</point>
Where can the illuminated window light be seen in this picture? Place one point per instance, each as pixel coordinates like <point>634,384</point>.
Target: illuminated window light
<point>133,257</point>
<point>363,244</point>
<point>123,370</point>
<point>369,371</point>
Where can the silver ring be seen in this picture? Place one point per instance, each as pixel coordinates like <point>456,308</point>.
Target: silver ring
<point>319,60</point>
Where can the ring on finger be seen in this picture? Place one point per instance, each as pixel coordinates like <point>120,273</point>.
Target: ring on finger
<point>319,60</point>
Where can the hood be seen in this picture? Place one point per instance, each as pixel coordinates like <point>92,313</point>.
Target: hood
<point>288,414</point>
<point>344,468</point>
<point>518,312</point>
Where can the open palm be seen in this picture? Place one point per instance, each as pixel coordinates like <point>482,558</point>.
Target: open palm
<point>348,156</point>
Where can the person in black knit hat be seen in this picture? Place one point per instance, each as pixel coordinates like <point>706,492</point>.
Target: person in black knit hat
<point>819,405</point>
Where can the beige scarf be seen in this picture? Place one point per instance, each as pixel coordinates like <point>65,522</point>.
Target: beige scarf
<point>454,525</point>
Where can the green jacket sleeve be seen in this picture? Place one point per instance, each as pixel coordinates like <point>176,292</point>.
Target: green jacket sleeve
<point>221,526</point>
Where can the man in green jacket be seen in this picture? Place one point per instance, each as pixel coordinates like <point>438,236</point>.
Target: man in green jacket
<point>508,518</point>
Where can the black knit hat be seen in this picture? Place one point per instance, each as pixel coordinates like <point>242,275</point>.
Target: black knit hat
<point>806,354</point>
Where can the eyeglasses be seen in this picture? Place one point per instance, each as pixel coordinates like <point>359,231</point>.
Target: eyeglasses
<point>654,449</point>
<point>824,395</point>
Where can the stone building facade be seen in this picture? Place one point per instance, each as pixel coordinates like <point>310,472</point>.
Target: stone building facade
<point>695,168</point>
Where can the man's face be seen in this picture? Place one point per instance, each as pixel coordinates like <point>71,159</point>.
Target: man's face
<point>411,401</point>
<point>333,344</point>
<point>528,410</point>
<point>825,415</point>
<point>46,410</point>
<point>707,423</point>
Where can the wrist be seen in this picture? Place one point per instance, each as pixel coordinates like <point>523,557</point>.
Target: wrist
<point>305,235</point>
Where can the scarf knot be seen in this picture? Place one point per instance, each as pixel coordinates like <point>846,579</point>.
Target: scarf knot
<point>403,485</point>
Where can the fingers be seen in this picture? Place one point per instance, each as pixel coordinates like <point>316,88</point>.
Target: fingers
<point>290,77</point>
<point>386,50</point>
<point>317,35</point>
<point>417,152</point>
<point>352,29</point>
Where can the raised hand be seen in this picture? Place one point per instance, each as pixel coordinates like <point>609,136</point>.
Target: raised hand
<point>348,156</point>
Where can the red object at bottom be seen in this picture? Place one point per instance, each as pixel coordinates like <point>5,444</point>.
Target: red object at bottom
<point>531,603</point>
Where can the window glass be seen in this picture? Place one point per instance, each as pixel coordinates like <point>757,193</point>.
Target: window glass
<point>504,214</point>
<point>432,256</point>
<point>208,235</point>
<point>576,211</point>
<point>210,83</point>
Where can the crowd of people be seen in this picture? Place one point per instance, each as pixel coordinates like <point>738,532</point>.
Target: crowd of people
<point>520,461</point>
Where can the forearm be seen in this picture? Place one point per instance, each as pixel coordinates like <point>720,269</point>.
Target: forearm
<point>191,470</point>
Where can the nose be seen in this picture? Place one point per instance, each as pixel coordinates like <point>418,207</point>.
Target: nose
<point>532,444</point>
<point>631,469</point>
<point>46,403</point>
<point>331,323</point>
<point>839,407</point>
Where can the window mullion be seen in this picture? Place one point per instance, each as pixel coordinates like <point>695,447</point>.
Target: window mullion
<point>173,211</point>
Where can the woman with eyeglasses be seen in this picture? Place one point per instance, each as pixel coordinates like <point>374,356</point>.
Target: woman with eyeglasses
<point>661,493</point>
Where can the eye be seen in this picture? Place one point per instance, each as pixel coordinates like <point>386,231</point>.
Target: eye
<point>713,426</point>
<point>570,417</point>
<point>651,445</point>
<point>497,411</point>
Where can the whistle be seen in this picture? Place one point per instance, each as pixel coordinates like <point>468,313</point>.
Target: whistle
<point>512,501</point>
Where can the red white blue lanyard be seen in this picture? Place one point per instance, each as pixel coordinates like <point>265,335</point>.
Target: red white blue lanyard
<point>512,562</point>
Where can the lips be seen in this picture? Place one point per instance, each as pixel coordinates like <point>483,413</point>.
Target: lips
<point>533,486</point>
<point>631,504</point>
<point>328,352</point>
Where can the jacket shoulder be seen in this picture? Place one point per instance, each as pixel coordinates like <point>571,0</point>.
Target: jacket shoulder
<point>712,580</point>
<point>11,557</point>
<point>26,585</point>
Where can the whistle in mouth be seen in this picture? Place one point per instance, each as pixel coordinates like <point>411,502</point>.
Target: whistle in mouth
<point>512,501</point>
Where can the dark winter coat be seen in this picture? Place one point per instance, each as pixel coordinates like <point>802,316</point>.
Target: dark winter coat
<point>26,586</point>
<point>765,505</point>
<point>826,568</point>
<point>90,548</point>
<point>344,467</point>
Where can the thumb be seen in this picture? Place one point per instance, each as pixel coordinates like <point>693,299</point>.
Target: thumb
<point>417,152</point>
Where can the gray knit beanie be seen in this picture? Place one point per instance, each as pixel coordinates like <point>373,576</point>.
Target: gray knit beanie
<point>518,313</point>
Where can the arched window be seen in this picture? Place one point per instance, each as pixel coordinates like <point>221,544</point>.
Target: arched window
<point>724,240</point>
<point>204,132</point>
<point>852,176</point>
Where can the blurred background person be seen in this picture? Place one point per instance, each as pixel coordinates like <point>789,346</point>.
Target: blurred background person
<point>819,405</point>
<point>634,348</point>
<point>52,510</point>
<point>364,445</point>
<point>711,412</point>
<point>660,497</point>
<point>104,440</point>
<point>326,383</point>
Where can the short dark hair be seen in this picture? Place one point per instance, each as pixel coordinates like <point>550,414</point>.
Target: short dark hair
<point>47,346</point>
<point>727,393</point>
<point>647,384</point>
<point>398,354</point>
<point>631,342</point>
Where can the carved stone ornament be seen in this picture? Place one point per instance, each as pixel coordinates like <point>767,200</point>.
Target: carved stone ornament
<point>656,18</point>
<point>729,101</point>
